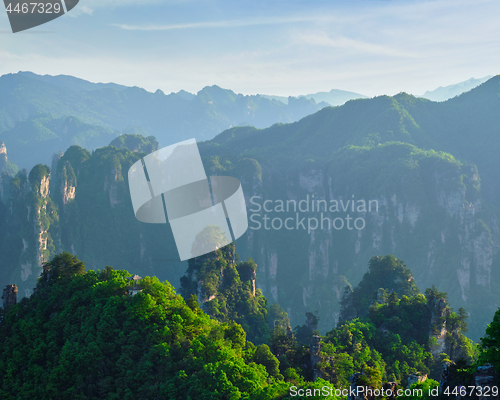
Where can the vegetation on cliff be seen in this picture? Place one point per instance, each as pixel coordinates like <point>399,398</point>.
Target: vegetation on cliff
<point>81,335</point>
<point>225,287</point>
<point>390,331</point>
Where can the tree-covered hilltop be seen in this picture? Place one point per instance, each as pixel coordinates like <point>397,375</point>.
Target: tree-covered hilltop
<point>388,299</point>
<point>105,334</point>
<point>386,276</point>
<point>88,335</point>
<point>136,142</point>
<point>390,331</point>
<point>225,288</point>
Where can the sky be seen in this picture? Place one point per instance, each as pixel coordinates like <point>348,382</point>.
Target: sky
<point>276,47</point>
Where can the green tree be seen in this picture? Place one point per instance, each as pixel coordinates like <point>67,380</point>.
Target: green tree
<point>462,317</point>
<point>264,356</point>
<point>490,344</point>
<point>62,266</point>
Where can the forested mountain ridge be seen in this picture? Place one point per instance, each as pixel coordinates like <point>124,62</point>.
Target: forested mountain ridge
<point>88,334</point>
<point>34,140</point>
<point>434,209</point>
<point>111,108</point>
<point>465,126</point>
<point>106,334</point>
<point>437,210</point>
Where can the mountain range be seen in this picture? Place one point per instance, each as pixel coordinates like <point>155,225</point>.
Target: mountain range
<point>41,114</point>
<point>334,97</point>
<point>34,111</point>
<point>429,170</point>
<point>450,91</point>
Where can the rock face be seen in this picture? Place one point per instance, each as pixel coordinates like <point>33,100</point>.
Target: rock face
<point>9,297</point>
<point>3,156</point>
<point>416,378</point>
<point>446,376</point>
<point>29,222</point>
<point>67,179</point>
<point>484,381</point>
<point>315,349</point>
<point>5,165</point>
<point>438,328</point>
<point>431,216</point>
<point>486,378</point>
<point>353,386</point>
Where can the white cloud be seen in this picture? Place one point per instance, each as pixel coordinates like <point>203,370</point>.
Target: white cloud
<point>353,45</point>
<point>80,10</point>
<point>218,24</point>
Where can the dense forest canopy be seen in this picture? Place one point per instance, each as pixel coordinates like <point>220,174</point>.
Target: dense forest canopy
<point>100,334</point>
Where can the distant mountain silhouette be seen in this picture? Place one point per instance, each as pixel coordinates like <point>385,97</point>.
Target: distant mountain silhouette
<point>169,118</point>
<point>448,92</point>
<point>334,97</point>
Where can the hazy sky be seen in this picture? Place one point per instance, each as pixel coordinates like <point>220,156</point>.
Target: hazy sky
<point>282,47</point>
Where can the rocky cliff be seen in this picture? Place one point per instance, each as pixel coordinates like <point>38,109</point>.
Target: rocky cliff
<point>313,225</point>
<point>29,227</point>
<point>425,207</point>
<point>82,206</point>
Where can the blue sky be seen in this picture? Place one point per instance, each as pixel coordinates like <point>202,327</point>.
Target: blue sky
<point>281,47</point>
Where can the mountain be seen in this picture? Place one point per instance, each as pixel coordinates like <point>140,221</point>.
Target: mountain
<point>170,118</point>
<point>226,291</point>
<point>107,333</point>
<point>36,139</point>
<point>429,169</point>
<point>334,97</point>
<point>94,334</point>
<point>389,175</point>
<point>448,92</point>
<point>71,82</point>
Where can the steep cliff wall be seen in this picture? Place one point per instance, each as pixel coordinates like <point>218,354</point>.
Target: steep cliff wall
<point>30,226</point>
<point>83,207</point>
<point>423,207</point>
<point>325,220</point>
